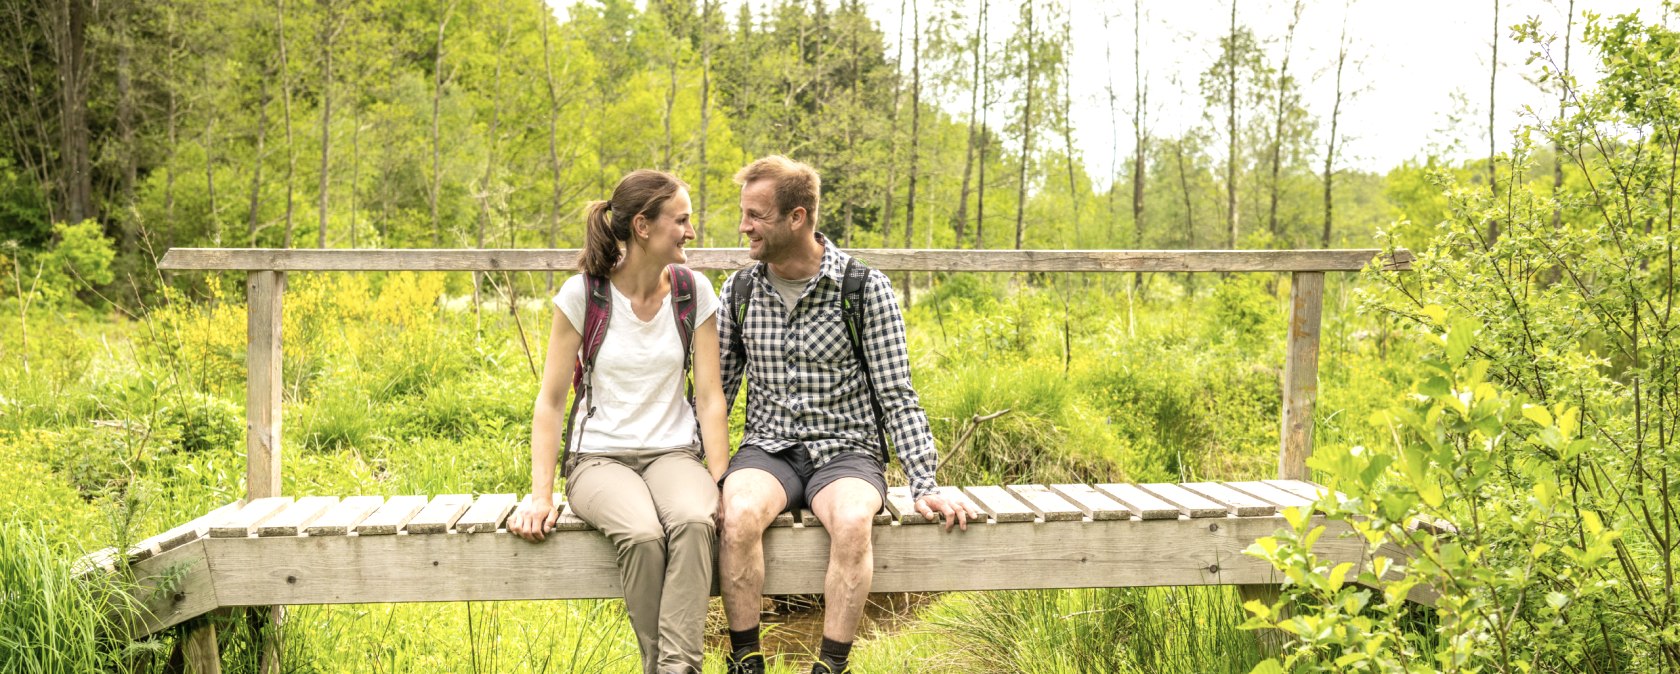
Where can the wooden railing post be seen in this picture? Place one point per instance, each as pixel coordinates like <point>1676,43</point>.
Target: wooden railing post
<point>262,382</point>
<point>1300,374</point>
<point>262,423</point>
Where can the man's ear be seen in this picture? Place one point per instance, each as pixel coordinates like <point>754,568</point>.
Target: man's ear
<point>796,217</point>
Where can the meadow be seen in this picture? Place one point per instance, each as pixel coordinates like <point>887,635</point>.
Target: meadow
<point>121,426</point>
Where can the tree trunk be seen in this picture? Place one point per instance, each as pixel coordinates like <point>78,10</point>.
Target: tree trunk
<point>1026,133</point>
<point>209,142</point>
<point>1114,134</point>
<point>706,13</point>
<point>355,167</point>
<point>1335,118</point>
<point>286,107</point>
<point>70,56</point>
<point>171,122</point>
<point>1231,217</point>
<point>437,97</point>
<point>1283,86</point>
<point>327,35</point>
<point>125,127</point>
<point>973,119</point>
<point>252,210</point>
<point>1184,187</point>
<point>854,12</point>
<point>1067,120</point>
<point>915,125</point>
<point>670,104</point>
<point>980,158</point>
<point>892,138</point>
<point>553,151</point>
<point>1140,130</point>
<point>487,187</point>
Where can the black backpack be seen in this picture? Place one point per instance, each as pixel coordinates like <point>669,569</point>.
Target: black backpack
<point>856,276</point>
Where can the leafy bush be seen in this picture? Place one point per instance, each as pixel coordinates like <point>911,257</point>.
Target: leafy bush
<point>200,422</point>
<point>1541,424</point>
<point>79,257</point>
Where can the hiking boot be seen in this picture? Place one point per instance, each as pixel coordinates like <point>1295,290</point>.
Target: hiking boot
<point>749,663</point>
<point>822,667</point>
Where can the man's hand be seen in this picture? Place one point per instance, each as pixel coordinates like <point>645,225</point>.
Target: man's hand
<point>956,511</point>
<point>533,519</point>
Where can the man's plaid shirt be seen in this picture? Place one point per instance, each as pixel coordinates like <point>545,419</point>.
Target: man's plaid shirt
<point>806,387</point>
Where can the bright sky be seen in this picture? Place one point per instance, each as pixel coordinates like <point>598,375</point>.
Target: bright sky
<point>1412,57</point>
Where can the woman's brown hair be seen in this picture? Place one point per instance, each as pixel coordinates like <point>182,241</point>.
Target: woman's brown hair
<point>606,223</point>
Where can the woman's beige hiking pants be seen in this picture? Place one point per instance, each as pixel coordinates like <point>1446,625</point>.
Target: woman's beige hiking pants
<point>657,509</point>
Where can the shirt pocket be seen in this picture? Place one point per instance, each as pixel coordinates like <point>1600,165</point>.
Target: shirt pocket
<point>825,343</point>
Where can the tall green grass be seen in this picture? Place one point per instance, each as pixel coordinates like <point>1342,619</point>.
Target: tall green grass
<point>52,620</point>
<point>1119,631</point>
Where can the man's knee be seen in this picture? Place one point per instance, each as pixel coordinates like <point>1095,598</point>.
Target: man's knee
<point>847,506</point>
<point>850,524</point>
<point>751,499</point>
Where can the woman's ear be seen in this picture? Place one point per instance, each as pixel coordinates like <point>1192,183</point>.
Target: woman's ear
<point>639,227</point>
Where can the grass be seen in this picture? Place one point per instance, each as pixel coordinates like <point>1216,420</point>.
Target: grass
<point>123,428</point>
<point>51,620</point>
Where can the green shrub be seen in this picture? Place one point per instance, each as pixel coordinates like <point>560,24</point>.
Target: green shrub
<point>78,258</point>
<point>200,422</point>
<point>1536,438</point>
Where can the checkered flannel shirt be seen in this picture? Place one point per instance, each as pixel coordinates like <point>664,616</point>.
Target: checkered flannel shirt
<point>807,389</point>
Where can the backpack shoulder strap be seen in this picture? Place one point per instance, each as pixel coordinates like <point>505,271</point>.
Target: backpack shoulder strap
<point>597,314</point>
<point>683,309</point>
<point>740,296</point>
<point>852,304</point>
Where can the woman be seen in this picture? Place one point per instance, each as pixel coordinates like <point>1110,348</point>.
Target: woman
<point>632,459</point>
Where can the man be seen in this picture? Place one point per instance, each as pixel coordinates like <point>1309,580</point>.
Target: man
<point>811,437</point>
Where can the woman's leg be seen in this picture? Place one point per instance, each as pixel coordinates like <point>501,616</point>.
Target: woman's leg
<point>686,498</point>
<point>611,496</point>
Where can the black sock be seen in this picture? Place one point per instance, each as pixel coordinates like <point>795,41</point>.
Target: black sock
<point>744,641</point>
<point>835,653</point>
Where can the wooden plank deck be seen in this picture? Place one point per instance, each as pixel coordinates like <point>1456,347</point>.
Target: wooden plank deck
<point>362,549</point>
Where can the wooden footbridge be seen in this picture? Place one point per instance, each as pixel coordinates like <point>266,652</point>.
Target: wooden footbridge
<point>271,549</point>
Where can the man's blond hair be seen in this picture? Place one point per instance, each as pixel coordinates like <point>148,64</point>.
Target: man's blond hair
<point>797,184</point>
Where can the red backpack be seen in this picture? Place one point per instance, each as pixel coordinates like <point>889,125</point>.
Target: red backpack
<point>598,313</point>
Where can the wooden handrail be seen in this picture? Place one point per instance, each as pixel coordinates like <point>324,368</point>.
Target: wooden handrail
<point>267,268</point>
<point>729,259</point>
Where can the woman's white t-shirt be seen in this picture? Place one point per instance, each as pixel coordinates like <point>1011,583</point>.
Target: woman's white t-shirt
<point>638,393</point>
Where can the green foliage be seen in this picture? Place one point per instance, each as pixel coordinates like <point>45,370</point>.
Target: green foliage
<point>1535,441</point>
<point>77,258</point>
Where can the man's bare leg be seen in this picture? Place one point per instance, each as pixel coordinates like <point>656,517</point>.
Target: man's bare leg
<point>751,499</point>
<point>847,510</point>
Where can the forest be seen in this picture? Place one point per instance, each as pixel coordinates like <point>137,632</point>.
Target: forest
<point>1520,385</point>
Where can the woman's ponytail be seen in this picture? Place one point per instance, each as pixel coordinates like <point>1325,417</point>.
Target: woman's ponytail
<point>600,245</point>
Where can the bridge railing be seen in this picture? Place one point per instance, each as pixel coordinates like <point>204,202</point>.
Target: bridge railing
<point>266,271</point>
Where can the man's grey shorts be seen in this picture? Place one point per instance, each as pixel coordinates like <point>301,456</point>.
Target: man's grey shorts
<point>801,483</point>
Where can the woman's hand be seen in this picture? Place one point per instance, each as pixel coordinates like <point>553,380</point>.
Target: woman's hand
<point>534,518</point>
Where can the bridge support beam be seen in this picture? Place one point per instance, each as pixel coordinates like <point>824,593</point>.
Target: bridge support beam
<point>1300,396</point>
<point>265,292</point>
